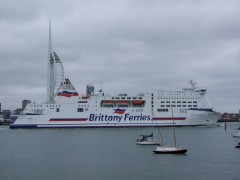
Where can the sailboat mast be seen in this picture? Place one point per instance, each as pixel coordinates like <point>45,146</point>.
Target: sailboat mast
<point>174,132</point>
<point>239,115</point>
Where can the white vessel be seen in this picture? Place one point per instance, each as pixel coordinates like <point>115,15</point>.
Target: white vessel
<point>236,132</point>
<point>171,150</point>
<point>148,140</point>
<point>66,108</point>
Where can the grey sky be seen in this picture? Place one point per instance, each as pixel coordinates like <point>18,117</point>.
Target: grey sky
<point>128,46</point>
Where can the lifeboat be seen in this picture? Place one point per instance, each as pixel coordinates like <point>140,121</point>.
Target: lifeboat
<point>85,97</point>
<point>108,102</point>
<point>123,102</point>
<point>138,102</point>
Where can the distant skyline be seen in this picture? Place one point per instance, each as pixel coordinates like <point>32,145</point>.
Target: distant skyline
<point>122,46</point>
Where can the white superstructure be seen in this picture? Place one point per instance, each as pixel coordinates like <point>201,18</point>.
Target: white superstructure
<point>66,108</point>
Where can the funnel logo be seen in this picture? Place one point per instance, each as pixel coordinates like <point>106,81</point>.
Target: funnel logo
<point>119,111</point>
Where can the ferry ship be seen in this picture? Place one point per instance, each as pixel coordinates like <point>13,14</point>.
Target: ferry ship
<point>65,108</point>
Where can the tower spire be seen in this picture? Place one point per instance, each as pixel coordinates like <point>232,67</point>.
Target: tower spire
<point>55,72</point>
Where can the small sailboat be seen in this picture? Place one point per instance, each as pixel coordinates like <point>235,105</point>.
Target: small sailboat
<point>236,132</point>
<point>148,140</point>
<point>170,150</point>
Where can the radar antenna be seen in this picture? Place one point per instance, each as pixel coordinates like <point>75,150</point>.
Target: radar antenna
<point>193,84</point>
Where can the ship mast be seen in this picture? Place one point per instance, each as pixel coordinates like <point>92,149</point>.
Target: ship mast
<point>55,73</point>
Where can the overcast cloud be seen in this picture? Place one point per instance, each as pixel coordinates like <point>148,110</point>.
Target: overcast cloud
<point>127,46</point>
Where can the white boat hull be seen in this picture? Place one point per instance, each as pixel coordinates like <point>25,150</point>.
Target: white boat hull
<point>45,121</point>
<point>71,121</point>
<point>236,134</point>
<point>149,142</point>
<point>169,150</point>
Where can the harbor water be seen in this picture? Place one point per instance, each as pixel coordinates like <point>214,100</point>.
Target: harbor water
<point>103,154</point>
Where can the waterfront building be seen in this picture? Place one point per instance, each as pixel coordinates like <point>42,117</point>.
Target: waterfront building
<point>6,114</point>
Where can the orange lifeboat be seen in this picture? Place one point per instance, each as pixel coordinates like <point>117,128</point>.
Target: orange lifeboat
<point>138,102</point>
<point>123,102</point>
<point>108,102</point>
<point>85,97</point>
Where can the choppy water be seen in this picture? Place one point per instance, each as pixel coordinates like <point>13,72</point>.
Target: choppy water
<point>102,154</point>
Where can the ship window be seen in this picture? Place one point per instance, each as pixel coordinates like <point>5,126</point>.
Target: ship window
<point>182,111</point>
<point>194,101</point>
<point>178,105</point>
<point>79,109</point>
<point>82,101</point>
<point>57,110</point>
<point>162,105</point>
<point>38,111</point>
<point>162,110</point>
<point>194,105</point>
